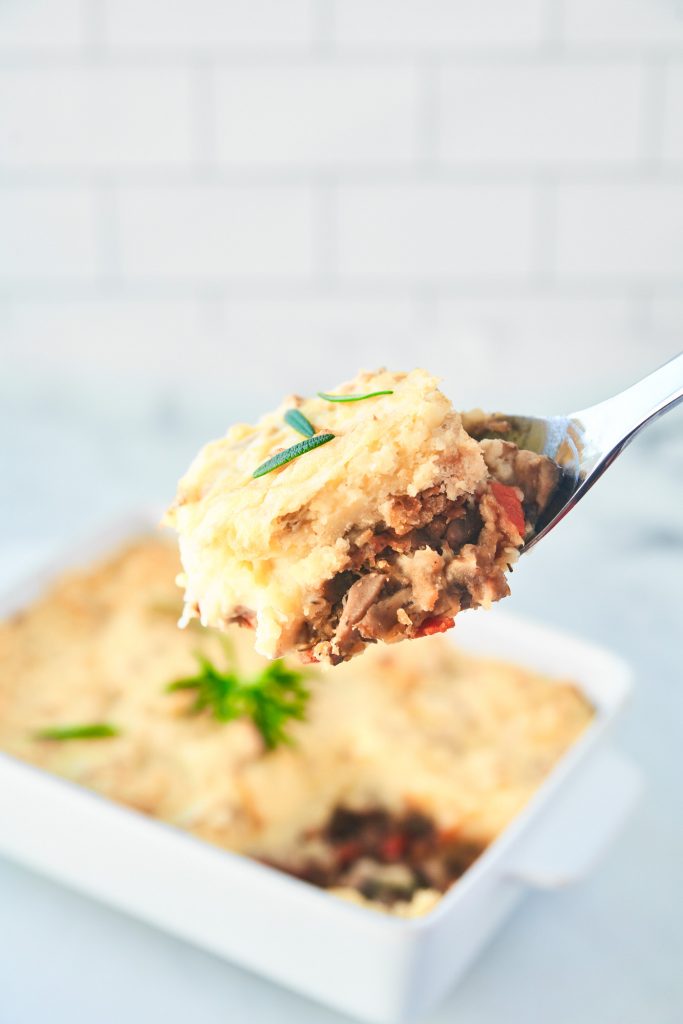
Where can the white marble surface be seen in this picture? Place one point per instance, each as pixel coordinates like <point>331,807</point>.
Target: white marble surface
<point>605,952</point>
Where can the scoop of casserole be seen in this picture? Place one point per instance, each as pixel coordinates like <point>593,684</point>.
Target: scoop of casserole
<point>390,521</point>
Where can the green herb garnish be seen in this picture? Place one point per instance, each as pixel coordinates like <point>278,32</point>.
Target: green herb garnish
<point>352,398</point>
<point>292,453</point>
<point>94,731</point>
<point>270,699</point>
<point>298,421</point>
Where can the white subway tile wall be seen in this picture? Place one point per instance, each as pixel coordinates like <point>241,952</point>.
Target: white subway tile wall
<point>95,116</point>
<point>185,26</point>
<point>439,24</point>
<point>624,22</point>
<point>242,198</point>
<point>550,113</point>
<point>214,233</point>
<point>435,233</point>
<point>48,234</point>
<point>622,233</point>
<point>324,114</point>
<point>41,27</point>
<point>672,143</point>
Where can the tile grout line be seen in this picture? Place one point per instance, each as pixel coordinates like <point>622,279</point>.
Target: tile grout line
<point>39,289</point>
<point>427,310</point>
<point>323,39</point>
<point>427,115</point>
<point>553,45</point>
<point>108,236</point>
<point>284,57</point>
<point>325,230</point>
<point>203,124</point>
<point>545,231</point>
<point>642,311</point>
<point>94,23</point>
<point>264,175</point>
<point>653,103</point>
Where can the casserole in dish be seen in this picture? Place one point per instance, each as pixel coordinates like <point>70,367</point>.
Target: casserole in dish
<point>366,963</point>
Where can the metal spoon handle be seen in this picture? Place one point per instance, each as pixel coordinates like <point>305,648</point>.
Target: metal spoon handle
<point>587,442</point>
<point>613,424</point>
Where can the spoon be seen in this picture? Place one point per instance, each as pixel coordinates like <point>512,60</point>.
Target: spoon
<point>585,443</point>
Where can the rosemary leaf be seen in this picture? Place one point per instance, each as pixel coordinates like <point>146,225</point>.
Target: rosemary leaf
<point>292,453</point>
<point>352,398</point>
<point>270,699</point>
<point>298,422</point>
<point>93,731</point>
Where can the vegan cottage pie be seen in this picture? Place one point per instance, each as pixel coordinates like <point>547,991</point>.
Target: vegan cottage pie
<point>410,762</point>
<point>390,519</point>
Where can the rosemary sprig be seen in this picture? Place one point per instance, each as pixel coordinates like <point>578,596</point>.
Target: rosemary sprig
<point>281,458</point>
<point>92,731</point>
<point>298,422</point>
<point>352,398</point>
<point>271,698</point>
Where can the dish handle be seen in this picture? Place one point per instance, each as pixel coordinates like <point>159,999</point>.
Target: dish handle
<point>576,832</point>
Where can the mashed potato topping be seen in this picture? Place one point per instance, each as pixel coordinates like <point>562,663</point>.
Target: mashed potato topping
<point>409,754</point>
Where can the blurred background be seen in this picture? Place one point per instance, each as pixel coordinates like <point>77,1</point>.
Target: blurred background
<point>205,204</point>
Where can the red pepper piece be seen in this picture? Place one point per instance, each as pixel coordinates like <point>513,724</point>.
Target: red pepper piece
<point>349,851</point>
<point>393,846</point>
<point>436,624</point>
<point>511,505</point>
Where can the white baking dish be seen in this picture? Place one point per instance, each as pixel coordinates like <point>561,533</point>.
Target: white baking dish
<point>370,965</point>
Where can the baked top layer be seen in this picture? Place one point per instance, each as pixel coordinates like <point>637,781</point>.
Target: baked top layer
<point>476,737</point>
<point>385,532</point>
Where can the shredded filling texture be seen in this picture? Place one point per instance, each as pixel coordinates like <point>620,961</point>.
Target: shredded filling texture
<point>385,857</point>
<point>429,558</point>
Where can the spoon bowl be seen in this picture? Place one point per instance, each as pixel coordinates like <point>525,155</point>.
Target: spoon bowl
<point>585,443</point>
